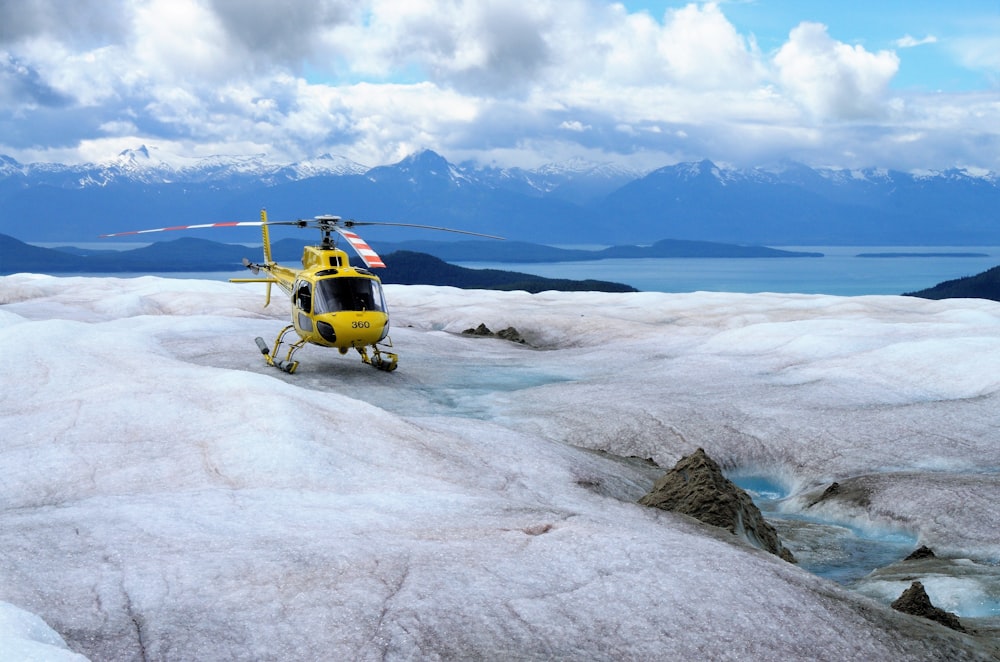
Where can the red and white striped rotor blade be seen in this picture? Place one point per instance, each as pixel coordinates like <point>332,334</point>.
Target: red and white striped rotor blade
<point>368,256</point>
<point>228,224</point>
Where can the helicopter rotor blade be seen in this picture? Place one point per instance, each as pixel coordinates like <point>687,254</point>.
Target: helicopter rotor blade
<point>348,224</point>
<point>198,226</point>
<point>224,224</point>
<point>361,247</point>
<point>325,223</point>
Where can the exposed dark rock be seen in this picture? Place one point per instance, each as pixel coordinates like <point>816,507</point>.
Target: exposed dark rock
<point>855,492</point>
<point>481,330</point>
<point>915,601</point>
<point>830,491</point>
<point>923,552</point>
<point>510,333</point>
<point>696,487</point>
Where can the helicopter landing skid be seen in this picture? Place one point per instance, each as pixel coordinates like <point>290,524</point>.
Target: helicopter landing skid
<point>386,361</point>
<point>286,364</point>
<point>379,359</point>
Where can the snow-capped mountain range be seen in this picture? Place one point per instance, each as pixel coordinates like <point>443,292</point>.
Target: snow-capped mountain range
<point>146,165</point>
<point>565,203</point>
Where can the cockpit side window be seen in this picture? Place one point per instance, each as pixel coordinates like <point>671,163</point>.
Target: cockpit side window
<point>348,293</point>
<point>303,295</point>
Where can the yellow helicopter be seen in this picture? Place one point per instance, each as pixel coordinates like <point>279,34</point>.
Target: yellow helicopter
<point>334,304</point>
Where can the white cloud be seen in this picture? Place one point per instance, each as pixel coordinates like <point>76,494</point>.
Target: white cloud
<point>481,47</point>
<point>703,49</point>
<point>392,121</point>
<point>374,78</point>
<point>287,32</point>
<point>80,22</point>
<point>832,79</point>
<point>980,52</point>
<point>907,41</point>
<point>181,41</point>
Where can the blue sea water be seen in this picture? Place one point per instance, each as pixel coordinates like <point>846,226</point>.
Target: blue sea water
<point>840,271</point>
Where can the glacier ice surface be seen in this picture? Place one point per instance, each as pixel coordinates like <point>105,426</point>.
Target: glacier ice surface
<point>166,494</point>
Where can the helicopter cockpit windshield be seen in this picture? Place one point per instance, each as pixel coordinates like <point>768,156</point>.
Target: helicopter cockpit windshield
<point>347,293</point>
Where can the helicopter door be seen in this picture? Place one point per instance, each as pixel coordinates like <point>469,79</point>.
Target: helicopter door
<point>303,304</point>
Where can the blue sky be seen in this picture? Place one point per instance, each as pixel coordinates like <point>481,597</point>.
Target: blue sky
<point>934,60</point>
<point>889,84</point>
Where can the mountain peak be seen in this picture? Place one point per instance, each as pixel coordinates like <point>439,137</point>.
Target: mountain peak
<point>421,168</point>
<point>139,156</point>
<point>425,158</point>
<point>141,163</point>
<point>9,166</point>
<point>140,152</point>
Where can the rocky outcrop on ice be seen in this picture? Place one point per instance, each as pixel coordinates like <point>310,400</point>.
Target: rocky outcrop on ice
<point>855,492</point>
<point>922,552</point>
<point>915,601</point>
<point>510,333</point>
<point>697,487</point>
